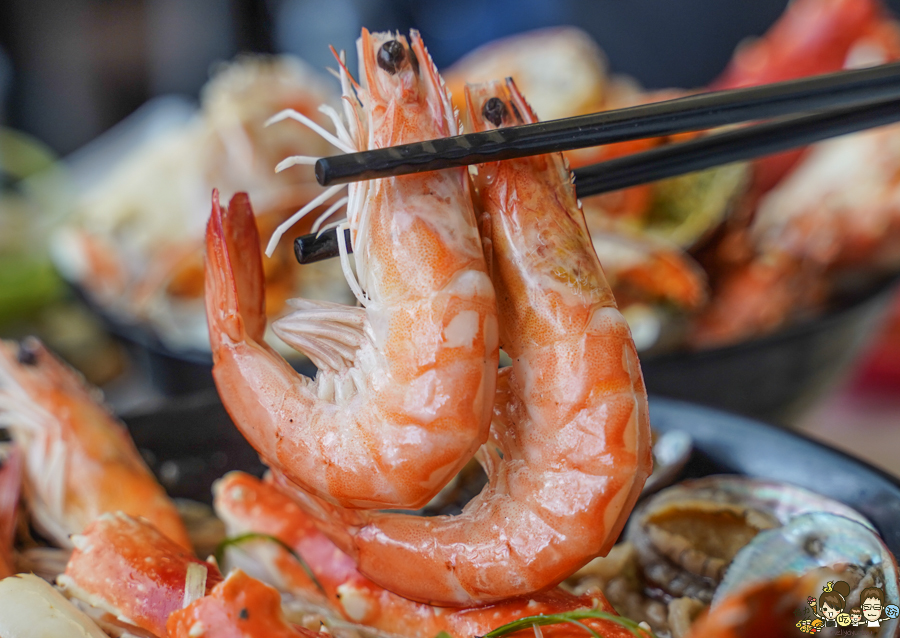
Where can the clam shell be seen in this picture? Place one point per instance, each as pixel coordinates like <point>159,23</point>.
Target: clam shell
<point>687,535</point>
<point>819,541</point>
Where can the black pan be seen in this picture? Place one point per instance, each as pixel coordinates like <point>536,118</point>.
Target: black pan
<point>192,442</point>
<point>773,378</point>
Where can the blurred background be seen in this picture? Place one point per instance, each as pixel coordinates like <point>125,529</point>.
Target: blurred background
<point>70,70</point>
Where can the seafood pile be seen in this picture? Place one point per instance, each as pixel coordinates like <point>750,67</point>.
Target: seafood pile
<point>447,268</point>
<point>735,252</point>
<point>699,542</point>
<point>134,239</point>
<point>698,261</point>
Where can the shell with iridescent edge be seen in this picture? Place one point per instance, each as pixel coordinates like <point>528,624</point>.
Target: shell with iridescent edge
<point>686,536</point>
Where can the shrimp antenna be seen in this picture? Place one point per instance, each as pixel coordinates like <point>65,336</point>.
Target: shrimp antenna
<point>340,61</point>
<point>293,160</point>
<point>299,117</point>
<point>328,213</point>
<point>300,214</point>
<point>342,131</point>
<point>345,266</point>
<point>331,225</point>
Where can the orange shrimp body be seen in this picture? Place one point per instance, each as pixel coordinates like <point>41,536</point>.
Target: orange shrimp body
<point>79,460</point>
<point>247,504</point>
<point>570,446</point>
<point>403,394</point>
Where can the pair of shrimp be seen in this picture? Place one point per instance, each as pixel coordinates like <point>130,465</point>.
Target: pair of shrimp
<point>570,444</point>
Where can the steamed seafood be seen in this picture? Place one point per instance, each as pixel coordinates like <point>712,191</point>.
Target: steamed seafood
<point>134,240</point>
<point>704,540</point>
<point>570,415</point>
<point>132,574</point>
<point>79,461</point>
<point>406,394</point>
<point>247,505</point>
<point>403,394</point>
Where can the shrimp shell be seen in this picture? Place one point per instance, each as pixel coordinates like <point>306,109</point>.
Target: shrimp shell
<point>403,394</point>
<point>79,460</point>
<point>570,446</point>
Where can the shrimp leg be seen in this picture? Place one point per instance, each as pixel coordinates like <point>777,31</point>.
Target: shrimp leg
<point>571,436</point>
<point>403,394</point>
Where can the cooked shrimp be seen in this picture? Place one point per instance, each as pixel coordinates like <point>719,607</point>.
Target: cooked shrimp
<point>571,435</point>
<point>247,504</point>
<point>130,573</point>
<point>10,484</point>
<point>79,461</point>
<point>403,394</point>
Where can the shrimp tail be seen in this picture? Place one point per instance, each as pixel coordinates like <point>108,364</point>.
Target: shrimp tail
<point>231,233</point>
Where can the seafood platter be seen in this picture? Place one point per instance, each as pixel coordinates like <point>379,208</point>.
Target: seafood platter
<point>726,274</point>
<point>417,487</point>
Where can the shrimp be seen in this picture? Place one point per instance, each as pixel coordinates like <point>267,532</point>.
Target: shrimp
<point>403,394</point>
<point>132,574</point>
<point>10,484</point>
<point>247,504</point>
<point>570,446</point>
<point>79,461</point>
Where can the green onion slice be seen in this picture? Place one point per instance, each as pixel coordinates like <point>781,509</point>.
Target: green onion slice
<point>572,617</point>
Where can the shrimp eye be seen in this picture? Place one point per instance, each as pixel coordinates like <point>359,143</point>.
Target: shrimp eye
<point>494,110</point>
<point>27,354</point>
<point>391,56</point>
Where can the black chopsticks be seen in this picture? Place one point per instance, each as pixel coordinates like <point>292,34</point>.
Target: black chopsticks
<point>693,113</point>
<point>685,157</point>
